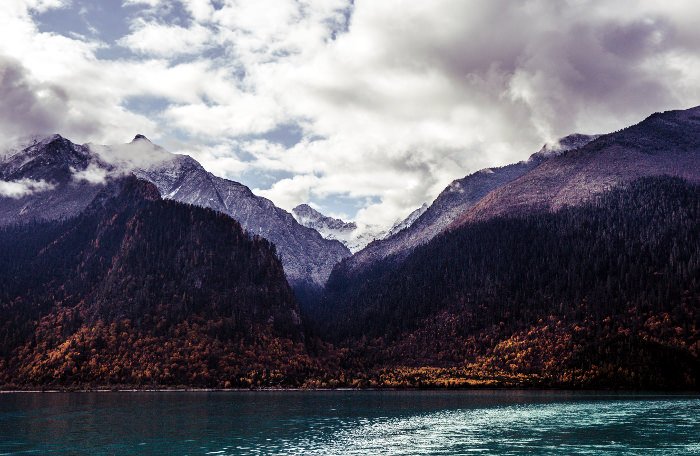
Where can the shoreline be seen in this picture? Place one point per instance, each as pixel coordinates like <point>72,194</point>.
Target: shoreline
<point>312,390</point>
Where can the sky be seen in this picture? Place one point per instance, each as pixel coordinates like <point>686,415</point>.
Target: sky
<point>364,108</point>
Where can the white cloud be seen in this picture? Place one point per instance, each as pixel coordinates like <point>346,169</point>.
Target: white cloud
<point>393,99</point>
<point>93,174</point>
<point>153,38</point>
<point>23,187</point>
<point>151,3</point>
<point>138,154</point>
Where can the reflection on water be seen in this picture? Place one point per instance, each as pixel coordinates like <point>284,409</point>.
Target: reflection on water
<point>349,423</point>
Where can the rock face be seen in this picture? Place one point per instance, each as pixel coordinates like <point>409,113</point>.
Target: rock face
<point>663,144</point>
<point>460,196</point>
<point>54,179</point>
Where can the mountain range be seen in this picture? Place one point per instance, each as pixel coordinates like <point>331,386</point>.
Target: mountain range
<point>59,179</point>
<point>456,199</point>
<point>353,237</point>
<point>577,267</point>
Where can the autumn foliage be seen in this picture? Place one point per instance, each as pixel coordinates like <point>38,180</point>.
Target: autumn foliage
<point>143,293</point>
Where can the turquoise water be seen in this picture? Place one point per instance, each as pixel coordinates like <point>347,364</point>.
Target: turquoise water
<point>349,423</point>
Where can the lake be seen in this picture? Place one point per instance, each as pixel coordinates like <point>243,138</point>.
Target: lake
<point>349,423</point>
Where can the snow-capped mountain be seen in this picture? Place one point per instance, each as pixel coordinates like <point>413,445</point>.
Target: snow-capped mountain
<point>54,179</point>
<point>665,143</point>
<point>408,221</point>
<point>453,202</point>
<point>328,227</point>
<point>354,236</point>
<point>43,180</point>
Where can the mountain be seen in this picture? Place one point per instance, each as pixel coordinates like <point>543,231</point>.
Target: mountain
<point>452,203</point>
<point>354,237</point>
<point>576,268</point>
<point>563,270</point>
<point>408,221</point>
<point>307,257</point>
<point>141,291</point>
<point>663,144</point>
<point>565,144</point>
<point>55,179</point>
<point>38,181</point>
<point>603,294</point>
<point>328,227</point>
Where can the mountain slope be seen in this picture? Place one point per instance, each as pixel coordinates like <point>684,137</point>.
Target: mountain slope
<point>408,221</point>
<point>54,179</point>
<point>139,291</point>
<point>664,143</point>
<point>452,203</point>
<point>307,257</point>
<point>38,182</point>
<point>602,294</point>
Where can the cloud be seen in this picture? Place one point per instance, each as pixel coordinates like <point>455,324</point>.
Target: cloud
<point>124,158</point>
<point>151,3</point>
<point>391,100</point>
<point>55,83</point>
<point>93,174</point>
<point>23,187</point>
<point>406,102</point>
<point>149,37</point>
<point>28,106</point>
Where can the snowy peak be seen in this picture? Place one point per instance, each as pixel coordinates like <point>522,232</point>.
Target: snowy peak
<point>52,158</point>
<point>408,221</point>
<point>50,178</point>
<point>355,237</point>
<point>310,217</point>
<point>328,227</point>
<point>47,178</point>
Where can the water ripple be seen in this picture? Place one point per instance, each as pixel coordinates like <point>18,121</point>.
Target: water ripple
<point>350,423</point>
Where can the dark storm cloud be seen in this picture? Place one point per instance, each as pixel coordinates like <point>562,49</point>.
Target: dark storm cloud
<point>27,107</point>
<point>33,108</point>
<point>560,60</point>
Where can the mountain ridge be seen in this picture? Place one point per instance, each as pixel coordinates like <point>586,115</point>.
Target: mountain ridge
<point>663,143</point>
<point>450,204</point>
<point>71,175</point>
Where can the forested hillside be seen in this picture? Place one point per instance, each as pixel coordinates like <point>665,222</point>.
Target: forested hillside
<point>604,294</point>
<point>141,291</point>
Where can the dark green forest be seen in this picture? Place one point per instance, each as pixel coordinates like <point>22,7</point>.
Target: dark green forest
<point>612,266</point>
<point>142,292</point>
